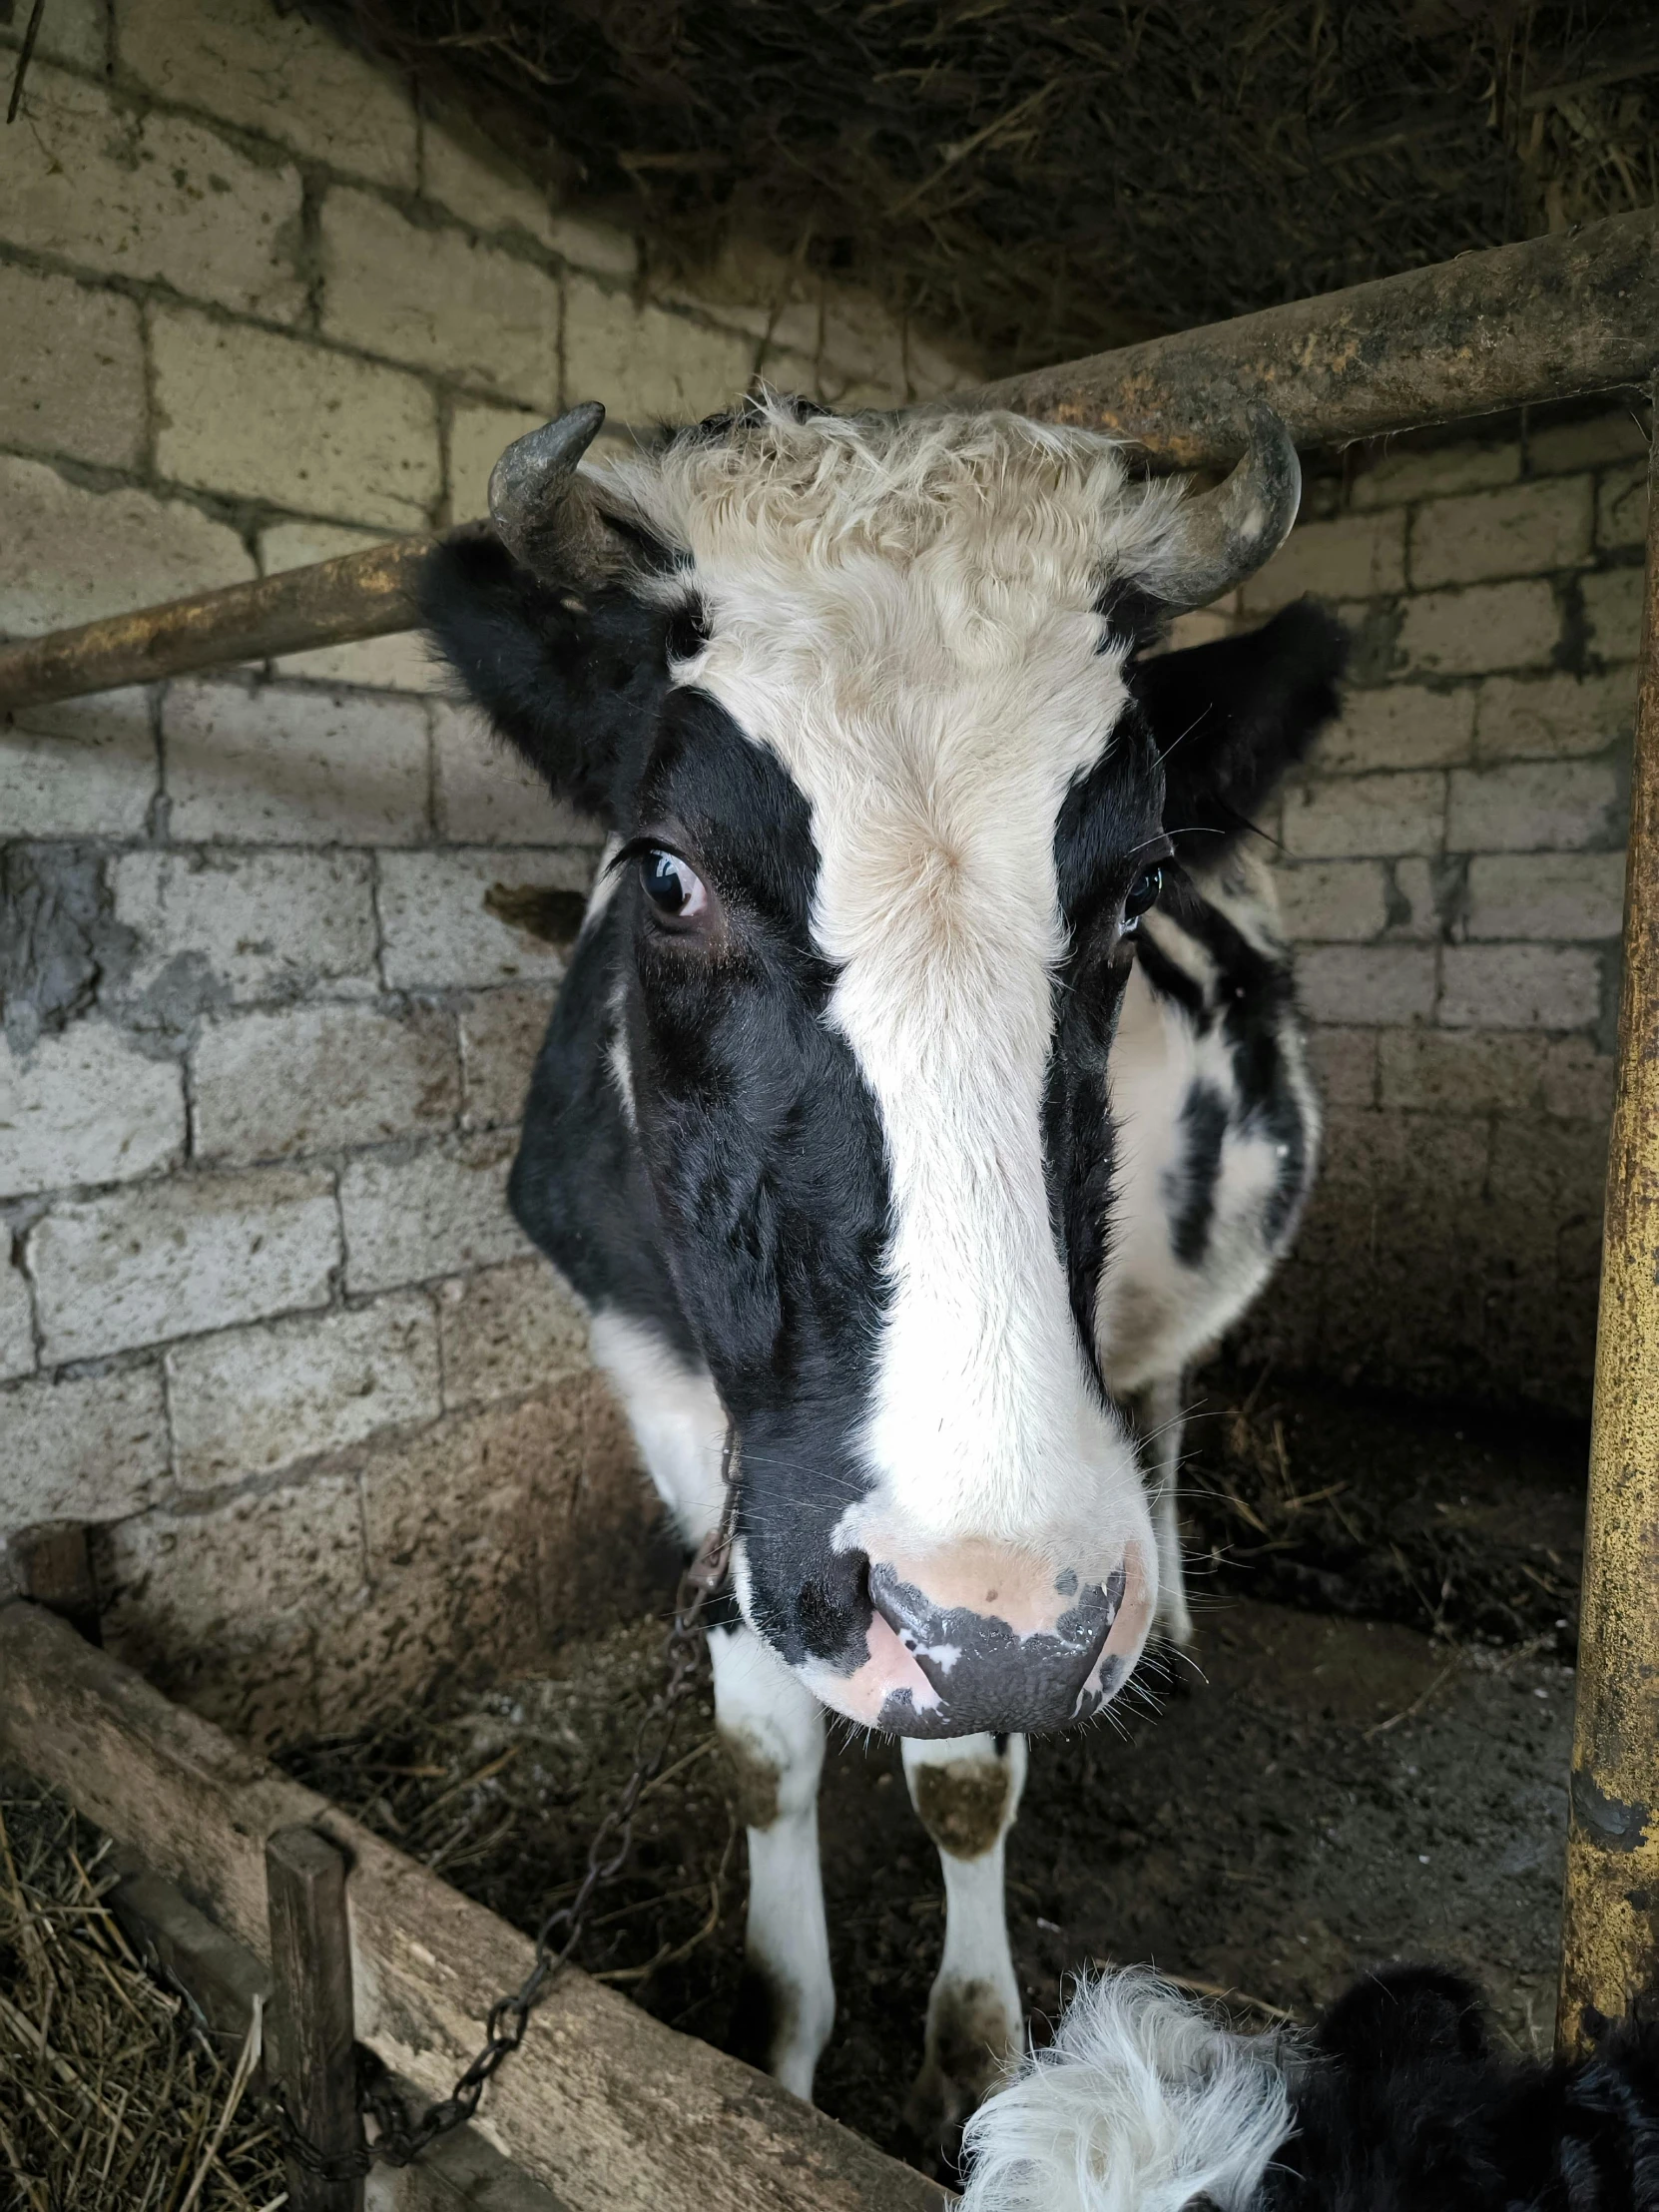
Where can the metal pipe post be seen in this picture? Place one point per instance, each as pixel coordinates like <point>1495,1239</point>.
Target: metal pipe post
<point>1610,1923</point>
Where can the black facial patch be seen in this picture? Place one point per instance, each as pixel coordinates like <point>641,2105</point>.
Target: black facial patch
<point>1191,1202</point>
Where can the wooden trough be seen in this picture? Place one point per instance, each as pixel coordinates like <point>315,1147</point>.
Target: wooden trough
<point>604,2105</point>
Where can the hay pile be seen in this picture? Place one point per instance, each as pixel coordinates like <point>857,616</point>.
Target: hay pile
<point>110,2096</point>
<point>1046,179</point>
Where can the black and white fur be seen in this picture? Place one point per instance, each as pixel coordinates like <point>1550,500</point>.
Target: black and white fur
<point>910,1144</point>
<point>1395,2103</point>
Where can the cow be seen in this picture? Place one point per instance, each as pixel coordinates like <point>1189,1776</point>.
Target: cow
<point>925,1091</point>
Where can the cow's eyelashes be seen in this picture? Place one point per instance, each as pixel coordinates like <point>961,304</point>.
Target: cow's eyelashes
<point>675,891</point>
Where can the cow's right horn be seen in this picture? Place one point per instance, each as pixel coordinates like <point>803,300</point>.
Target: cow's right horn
<point>542,511</point>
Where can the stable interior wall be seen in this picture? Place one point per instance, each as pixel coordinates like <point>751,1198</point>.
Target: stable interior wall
<point>1450,869</point>
<point>272,949</point>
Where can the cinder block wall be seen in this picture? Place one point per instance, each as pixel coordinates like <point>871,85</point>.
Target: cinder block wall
<point>1451,872</point>
<point>268,1017</point>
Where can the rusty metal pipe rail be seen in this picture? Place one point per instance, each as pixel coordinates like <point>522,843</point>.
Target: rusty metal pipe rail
<point>1550,319</point>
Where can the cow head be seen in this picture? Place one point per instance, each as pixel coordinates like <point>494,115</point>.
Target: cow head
<point>854,697</point>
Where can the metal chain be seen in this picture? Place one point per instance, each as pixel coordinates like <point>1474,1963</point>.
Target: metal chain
<point>401,2135</point>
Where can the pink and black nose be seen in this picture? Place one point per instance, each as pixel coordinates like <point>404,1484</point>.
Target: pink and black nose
<point>978,1639</point>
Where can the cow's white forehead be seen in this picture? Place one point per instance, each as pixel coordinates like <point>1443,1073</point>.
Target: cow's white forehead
<point>905,613</point>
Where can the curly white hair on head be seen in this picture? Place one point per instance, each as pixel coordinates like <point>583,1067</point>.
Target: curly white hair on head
<point>1141,2103</point>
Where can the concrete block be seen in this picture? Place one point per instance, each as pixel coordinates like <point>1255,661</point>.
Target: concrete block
<point>441,299</point>
<point>1400,474</point>
<point>1357,556</point>
<point>68,555</point>
<point>599,248</point>
<point>85,1107</point>
<point>276,74</point>
<point>429,1213</point>
<point>149,196</point>
<point>1399,726</point>
<point>1203,625</point>
<point>1520,986</point>
<point>439,933</point>
<point>1559,895</point>
<point>1333,900</point>
<point>177,1259</point>
<point>1528,530</point>
<point>89,1450</point>
<point>478,436</point>
<point>397,663</point>
<point>223,1608</point>
<point>1439,1071</point>
<point>1546,1176</point>
<point>252,1400</point>
<point>463,171</point>
<point>316,1078</point>
<point>1534,806</point>
<point>1344,1065</point>
<point>263,417</point>
<point>508,1330</point>
<point>1489,626</point>
<point>1621,508</point>
<point>1618,435</point>
<point>228,928</point>
<point>1613,613</point>
<point>74,381</point>
<point>645,364</point>
<point>17,1324</point>
<point>74,31</point>
<point>501,1034</point>
<point>1360,985</point>
<point>1578,1081</point>
<point>85,769</point>
<point>1551,718</point>
<point>1371,816</point>
<point>486,795</point>
<point>1419,894</point>
<point>264,765</point>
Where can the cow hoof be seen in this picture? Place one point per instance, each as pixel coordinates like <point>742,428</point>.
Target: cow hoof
<point>970,2042</point>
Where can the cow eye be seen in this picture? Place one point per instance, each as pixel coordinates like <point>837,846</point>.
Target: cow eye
<point>1142,893</point>
<point>676,892</point>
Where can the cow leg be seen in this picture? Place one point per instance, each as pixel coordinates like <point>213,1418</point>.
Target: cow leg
<point>771,1731</point>
<point>1161,1414</point>
<point>966,1791</point>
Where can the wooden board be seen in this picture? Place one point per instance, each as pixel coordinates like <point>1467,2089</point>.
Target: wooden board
<point>603,2104</point>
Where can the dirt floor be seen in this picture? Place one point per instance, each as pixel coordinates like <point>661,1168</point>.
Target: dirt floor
<point>1328,1791</point>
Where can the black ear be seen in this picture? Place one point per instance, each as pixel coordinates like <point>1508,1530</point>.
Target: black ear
<point>1229,719</point>
<point>572,678</point>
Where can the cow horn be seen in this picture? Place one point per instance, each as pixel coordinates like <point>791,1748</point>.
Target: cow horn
<point>1220,537</point>
<point>540,509</point>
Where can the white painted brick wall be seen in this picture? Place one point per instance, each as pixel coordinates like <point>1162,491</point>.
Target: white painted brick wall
<point>438,929</point>
<point>239,928</point>
<point>49,320</point>
<point>270,765</point>
<point>86,769</point>
<point>17,1326</point>
<point>84,1448</point>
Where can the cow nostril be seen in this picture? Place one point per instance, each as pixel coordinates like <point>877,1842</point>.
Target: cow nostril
<point>834,1604</point>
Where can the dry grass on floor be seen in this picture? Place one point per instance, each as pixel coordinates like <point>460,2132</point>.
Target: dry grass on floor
<point>109,2093</point>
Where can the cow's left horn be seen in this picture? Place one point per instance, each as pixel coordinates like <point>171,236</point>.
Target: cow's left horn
<point>1222,536</point>
<point>540,509</point>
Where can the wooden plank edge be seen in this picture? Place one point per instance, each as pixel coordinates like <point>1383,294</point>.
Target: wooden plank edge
<point>605,2106</point>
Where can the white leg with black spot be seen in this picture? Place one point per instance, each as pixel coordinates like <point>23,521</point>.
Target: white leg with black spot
<point>773,1729</point>
<point>966,1792</point>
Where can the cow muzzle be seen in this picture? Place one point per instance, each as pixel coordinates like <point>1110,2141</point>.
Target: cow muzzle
<point>980,1638</point>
